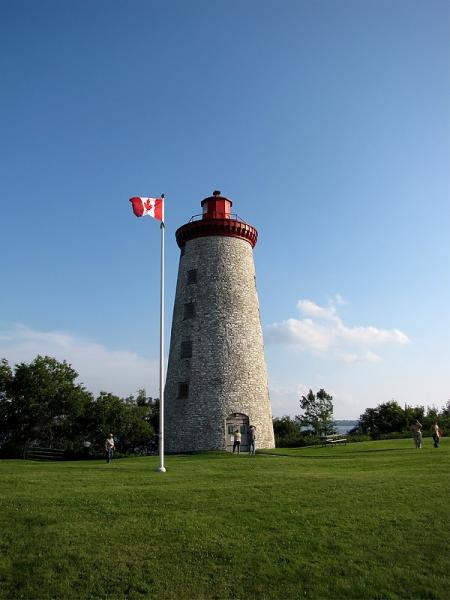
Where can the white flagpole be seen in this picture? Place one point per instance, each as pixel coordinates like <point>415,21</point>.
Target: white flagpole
<point>162,468</point>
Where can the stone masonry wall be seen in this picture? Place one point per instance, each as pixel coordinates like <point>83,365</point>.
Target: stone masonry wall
<point>221,329</point>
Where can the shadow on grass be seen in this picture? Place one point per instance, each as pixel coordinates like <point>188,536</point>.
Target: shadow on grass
<point>328,456</point>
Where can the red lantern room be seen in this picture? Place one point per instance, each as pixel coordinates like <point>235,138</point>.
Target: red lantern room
<point>216,207</point>
<point>216,219</point>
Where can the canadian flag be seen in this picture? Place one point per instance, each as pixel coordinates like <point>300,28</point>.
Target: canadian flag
<point>154,207</point>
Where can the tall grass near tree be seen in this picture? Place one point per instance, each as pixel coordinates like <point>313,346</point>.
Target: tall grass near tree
<point>368,520</point>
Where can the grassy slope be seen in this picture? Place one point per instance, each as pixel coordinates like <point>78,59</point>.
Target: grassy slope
<point>368,520</point>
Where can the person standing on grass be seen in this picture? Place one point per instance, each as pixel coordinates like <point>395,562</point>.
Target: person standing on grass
<point>87,448</point>
<point>237,441</point>
<point>109,447</point>
<point>416,430</point>
<point>436,433</point>
<point>252,435</point>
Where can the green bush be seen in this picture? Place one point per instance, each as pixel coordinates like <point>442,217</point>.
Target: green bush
<point>296,442</point>
<point>358,437</point>
<point>10,450</point>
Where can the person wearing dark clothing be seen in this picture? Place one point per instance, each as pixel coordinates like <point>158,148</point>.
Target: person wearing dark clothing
<point>252,438</point>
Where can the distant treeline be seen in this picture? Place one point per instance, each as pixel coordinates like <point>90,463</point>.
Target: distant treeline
<point>387,420</point>
<point>41,405</point>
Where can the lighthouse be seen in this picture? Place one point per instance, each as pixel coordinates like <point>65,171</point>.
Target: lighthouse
<point>216,376</point>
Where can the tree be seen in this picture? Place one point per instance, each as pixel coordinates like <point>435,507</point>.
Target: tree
<point>153,413</point>
<point>41,403</point>
<point>137,431</point>
<point>45,402</point>
<point>388,417</point>
<point>446,409</point>
<point>287,432</point>
<point>317,412</point>
<point>285,427</point>
<point>6,378</point>
<point>108,414</point>
<point>412,413</point>
<point>129,420</point>
<point>141,398</point>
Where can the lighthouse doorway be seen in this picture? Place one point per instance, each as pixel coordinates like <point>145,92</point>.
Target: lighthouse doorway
<point>241,422</point>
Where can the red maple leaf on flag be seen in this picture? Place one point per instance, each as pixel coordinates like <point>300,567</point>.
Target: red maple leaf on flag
<point>154,207</point>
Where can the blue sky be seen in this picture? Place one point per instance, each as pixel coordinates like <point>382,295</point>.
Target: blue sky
<point>327,123</point>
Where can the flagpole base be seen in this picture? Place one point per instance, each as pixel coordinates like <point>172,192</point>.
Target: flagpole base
<point>161,469</point>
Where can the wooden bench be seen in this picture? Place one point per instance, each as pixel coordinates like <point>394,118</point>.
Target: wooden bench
<point>37,453</point>
<point>332,440</point>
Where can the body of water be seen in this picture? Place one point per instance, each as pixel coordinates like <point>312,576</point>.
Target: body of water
<point>345,428</point>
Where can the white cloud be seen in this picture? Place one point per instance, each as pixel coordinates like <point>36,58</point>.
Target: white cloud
<point>370,335</point>
<point>118,371</point>
<point>311,309</point>
<point>305,334</point>
<point>350,357</point>
<point>324,333</point>
<point>339,300</point>
<point>285,398</point>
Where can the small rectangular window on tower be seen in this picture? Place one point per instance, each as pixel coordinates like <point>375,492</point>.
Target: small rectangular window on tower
<point>192,276</point>
<point>183,389</point>
<point>189,310</point>
<point>186,349</point>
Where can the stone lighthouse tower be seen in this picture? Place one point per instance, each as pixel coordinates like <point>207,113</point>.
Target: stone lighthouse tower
<point>216,377</point>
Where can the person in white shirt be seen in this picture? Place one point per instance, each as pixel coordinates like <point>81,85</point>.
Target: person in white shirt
<point>109,447</point>
<point>436,433</point>
<point>87,448</point>
<point>237,441</point>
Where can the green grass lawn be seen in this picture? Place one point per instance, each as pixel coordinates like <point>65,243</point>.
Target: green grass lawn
<point>367,520</point>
